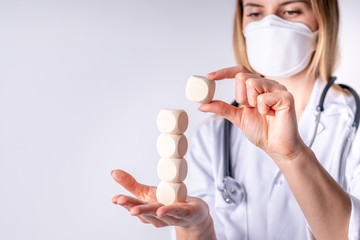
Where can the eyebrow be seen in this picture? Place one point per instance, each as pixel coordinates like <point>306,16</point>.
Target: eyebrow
<point>294,1</point>
<point>281,4</point>
<point>252,5</point>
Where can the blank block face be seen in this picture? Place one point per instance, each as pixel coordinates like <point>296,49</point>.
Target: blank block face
<point>172,146</point>
<point>169,193</point>
<point>172,121</point>
<point>172,169</point>
<point>200,89</point>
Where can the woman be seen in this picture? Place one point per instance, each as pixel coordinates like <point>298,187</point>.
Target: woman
<point>292,190</point>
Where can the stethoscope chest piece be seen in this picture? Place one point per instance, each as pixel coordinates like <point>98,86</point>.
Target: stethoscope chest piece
<point>233,191</point>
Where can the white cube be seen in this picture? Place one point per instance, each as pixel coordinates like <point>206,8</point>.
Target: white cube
<point>200,89</point>
<point>172,121</point>
<point>169,193</point>
<point>172,169</point>
<point>171,146</point>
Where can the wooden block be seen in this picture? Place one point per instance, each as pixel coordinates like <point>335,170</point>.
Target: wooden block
<point>169,193</point>
<point>172,169</point>
<point>200,89</point>
<point>172,146</point>
<point>172,121</point>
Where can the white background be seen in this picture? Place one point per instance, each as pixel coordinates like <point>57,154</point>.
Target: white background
<point>81,84</point>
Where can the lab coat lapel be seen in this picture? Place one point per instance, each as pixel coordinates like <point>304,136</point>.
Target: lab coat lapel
<point>306,125</point>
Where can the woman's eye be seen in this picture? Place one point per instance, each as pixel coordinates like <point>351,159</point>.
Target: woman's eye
<point>254,15</point>
<point>291,13</point>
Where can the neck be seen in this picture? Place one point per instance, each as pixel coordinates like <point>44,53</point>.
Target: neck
<point>300,87</point>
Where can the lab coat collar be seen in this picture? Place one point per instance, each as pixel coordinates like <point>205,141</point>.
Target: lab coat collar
<point>335,104</point>
<point>306,123</point>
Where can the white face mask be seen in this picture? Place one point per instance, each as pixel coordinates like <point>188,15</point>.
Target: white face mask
<point>279,48</point>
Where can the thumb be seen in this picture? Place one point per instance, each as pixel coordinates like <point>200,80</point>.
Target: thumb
<point>223,109</point>
<point>129,183</point>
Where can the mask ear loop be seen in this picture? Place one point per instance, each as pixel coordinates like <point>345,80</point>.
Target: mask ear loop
<point>320,108</point>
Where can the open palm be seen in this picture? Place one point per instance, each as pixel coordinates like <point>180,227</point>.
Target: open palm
<point>145,206</point>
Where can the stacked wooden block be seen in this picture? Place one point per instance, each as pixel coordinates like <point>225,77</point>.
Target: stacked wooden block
<point>200,89</point>
<point>172,146</point>
<point>172,143</point>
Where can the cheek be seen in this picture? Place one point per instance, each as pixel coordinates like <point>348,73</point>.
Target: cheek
<point>311,23</point>
<point>314,26</point>
<point>244,23</point>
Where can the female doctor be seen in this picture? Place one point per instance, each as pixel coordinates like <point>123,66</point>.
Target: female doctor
<point>286,52</point>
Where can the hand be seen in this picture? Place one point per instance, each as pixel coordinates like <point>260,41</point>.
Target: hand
<point>192,213</point>
<point>267,117</point>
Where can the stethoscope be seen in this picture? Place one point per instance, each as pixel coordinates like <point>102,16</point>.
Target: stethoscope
<point>234,192</point>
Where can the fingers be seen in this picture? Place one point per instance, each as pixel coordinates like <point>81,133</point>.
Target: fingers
<point>269,103</point>
<point>249,86</point>
<point>128,201</point>
<point>143,220</point>
<point>223,109</point>
<point>148,214</point>
<point>160,221</point>
<point>156,222</point>
<point>241,95</point>
<point>137,207</point>
<point>179,214</point>
<point>249,90</point>
<point>147,211</point>
<point>149,208</point>
<point>175,210</point>
<point>114,198</point>
<point>172,221</point>
<point>228,72</point>
<point>130,184</point>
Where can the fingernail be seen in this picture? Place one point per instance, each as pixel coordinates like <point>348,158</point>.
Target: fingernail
<point>201,108</point>
<point>159,213</point>
<point>134,212</point>
<point>211,74</point>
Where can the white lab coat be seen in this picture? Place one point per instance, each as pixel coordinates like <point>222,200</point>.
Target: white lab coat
<point>271,211</point>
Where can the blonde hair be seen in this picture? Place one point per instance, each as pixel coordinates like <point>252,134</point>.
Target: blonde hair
<point>326,54</point>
